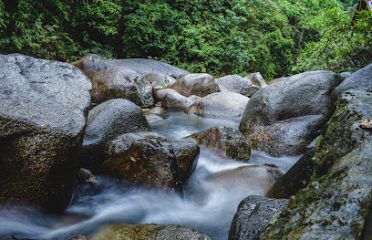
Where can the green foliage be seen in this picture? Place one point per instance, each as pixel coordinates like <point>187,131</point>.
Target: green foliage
<point>275,37</point>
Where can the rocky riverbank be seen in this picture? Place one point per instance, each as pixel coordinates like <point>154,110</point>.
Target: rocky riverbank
<point>106,118</point>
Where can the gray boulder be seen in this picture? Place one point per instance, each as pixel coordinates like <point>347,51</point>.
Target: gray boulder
<point>149,232</point>
<point>107,121</point>
<point>257,79</point>
<point>253,215</point>
<point>93,63</point>
<point>199,84</point>
<point>158,80</point>
<point>42,117</point>
<point>227,105</point>
<point>187,155</point>
<point>174,100</point>
<point>149,159</point>
<point>337,201</point>
<point>238,84</point>
<point>116,82</point>
<point>305,94</point>
<point>229,141</point>
<point>361,79</point>
<point>287,137</point>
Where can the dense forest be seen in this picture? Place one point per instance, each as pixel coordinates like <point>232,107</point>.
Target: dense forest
<point>275,37</point>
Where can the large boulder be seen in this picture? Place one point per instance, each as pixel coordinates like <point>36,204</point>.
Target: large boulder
<point>199,84</point>
<point>149,232</point>
<point>116,82</point>
<point>287,137</point>
<point>306,96</point>
<point>187,155</point>
<point>229,141</point>
<point>337,201</point>
<point>253,215</point>
<point>227,105</point>
<point>42,117</point>
<point>93,63</point>
<point>149,159</point>
<point>297,177</point>
<point>238,84</point>
<point>107,121</point>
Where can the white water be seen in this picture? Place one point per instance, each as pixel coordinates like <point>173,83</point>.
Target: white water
<point>208,203</point>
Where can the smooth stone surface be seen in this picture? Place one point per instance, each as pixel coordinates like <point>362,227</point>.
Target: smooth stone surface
<point>199,84</point>
<point>253,215</point>
<point>336,202</point>
<point>257,79</point>
<point>42,117</point>
<point>116,82</point>
<point>303,95</point>
<point>229,141</point>
<point>107,121</point>
<point>227,105</point>
<point>158,80</point>
<point>187,155</point>
<point>149,232</point>
<point>238,84</point>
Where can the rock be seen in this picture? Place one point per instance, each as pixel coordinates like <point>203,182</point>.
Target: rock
<point>199,84</point>
<point>297,178</point>
<point>336,202</point>
<point>288,137</point>
<point>253,215</point>
<point>114,83</point>
<point>257,79</point>
<point>86,176</point>
<point>345,75</point>
<point>156,110</point>
<point>158,80</point>
<point>303,99</point>
<point>149,232</point>
<point>361,79</point>
<point>227,140</point>
<point>142,158</point>
<point>153,118</point>
<point>161,93</point>
<point>227,105</point>
<point>93,63</point>
<point>174,100</point>
<point>235,83</point>
<point>107,121</point>
<point>187,155</point>
<point>42,117</point>
<point>149,159</point>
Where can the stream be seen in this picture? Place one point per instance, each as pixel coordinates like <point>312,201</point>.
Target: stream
<point>208,201</point>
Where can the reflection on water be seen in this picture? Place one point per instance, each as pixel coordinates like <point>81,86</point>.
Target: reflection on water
<point>208,203</point>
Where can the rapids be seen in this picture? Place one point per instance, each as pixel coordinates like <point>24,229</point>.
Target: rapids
<point>206,203</point>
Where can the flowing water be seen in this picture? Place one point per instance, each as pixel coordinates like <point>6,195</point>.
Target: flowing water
<point>208,201</point>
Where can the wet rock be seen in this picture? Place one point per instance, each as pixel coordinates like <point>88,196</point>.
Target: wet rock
<point>93,63</point>
<point>86,176</point>
<point>199,84</point>
<point>187,155</point>
<point>253,215</point>
<point>288,137</point>
<point>227,105</point>
<point>158,80</point>
<point>149,232</point>
<point>42,117</point>
<point>149,159</point>
<point>174,100</point>
<point>304,95</point>
<point>235,83</point>
<point>107,121</point>
<point>153,118</point>
<point>297,178</point>
<point>227,140</point>
<point>257,79</point>
<point>336,202</point>
<point>361,79</point>
<point>116,82</point>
